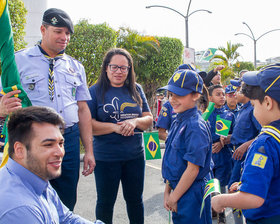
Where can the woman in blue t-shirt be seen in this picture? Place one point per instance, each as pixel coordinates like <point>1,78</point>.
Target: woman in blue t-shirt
<point>120,113</point>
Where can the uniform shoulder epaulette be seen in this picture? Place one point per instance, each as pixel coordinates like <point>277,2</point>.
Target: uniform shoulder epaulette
<point>74,59</point>
<point>272,131</point>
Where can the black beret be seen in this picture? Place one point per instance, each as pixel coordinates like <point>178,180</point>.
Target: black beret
<point>58,18</point>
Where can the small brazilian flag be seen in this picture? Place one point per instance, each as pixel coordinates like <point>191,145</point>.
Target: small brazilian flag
<point>208,54</point>
<point>208,111</point>
<point>222,126</point>
<point>212,186</point>
<point>152,146</point>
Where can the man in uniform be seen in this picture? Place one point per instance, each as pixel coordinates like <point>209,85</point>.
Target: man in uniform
<point>52,78</point>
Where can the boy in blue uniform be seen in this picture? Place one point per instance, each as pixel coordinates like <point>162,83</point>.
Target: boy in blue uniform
<point>221,149</point>
<point>165,119</point>
<point>231,100</point>
<point>259,194</point>
<point>186,161</point>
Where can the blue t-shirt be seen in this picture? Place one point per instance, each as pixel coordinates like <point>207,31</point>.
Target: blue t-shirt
<point>261,175</point>
<point>246,126</point>
<point>166,116</point>
<point>117,106</point>
<point>189,140</point>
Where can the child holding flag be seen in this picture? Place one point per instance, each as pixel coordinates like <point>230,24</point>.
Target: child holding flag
<point>221,125</point>
<point>259,194</point>
<point>186,162</point>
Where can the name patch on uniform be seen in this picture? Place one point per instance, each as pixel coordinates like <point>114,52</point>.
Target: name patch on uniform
<point>259,160</point>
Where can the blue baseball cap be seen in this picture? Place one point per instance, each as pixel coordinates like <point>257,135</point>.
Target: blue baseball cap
<point>185,66</point>
<point>268,78</point>
<point>236,82</point>
<point>230,89</point>
<point>184,82</point>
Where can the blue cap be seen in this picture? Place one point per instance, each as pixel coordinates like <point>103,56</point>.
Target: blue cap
<point>268,78</point>
<point>184,82</point>
<point>230,89</point>
<point>236,82</point>
<point>185,66</point>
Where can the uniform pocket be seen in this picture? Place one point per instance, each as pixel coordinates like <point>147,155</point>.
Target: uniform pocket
<point>72,83</point>
<point>33,84</point>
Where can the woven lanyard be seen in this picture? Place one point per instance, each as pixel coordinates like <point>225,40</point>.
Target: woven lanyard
<point>51,73</point>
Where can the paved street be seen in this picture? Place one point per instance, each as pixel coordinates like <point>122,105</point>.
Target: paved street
<point>153,198</point>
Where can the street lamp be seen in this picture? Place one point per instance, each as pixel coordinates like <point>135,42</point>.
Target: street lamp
<point>255,40</point>
<point>186,17</point>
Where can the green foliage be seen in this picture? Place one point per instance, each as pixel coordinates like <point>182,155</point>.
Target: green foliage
<point>18,20</point>
<point>243,65</point>
<point>160,66</point>
<point>228,58</point>
<point>89,44</point>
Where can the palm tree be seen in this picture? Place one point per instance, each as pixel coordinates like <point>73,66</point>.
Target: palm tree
<point>228,58</point>
<point>230,54</point>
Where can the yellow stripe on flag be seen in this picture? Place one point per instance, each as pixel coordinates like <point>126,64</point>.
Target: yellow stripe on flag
<point>5,155</point>
<point>2,6</point>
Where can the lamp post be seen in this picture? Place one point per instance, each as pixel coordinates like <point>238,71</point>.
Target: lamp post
<point>252,37</point>
<point>186,17</point>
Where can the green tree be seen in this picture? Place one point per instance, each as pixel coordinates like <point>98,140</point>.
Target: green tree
<point>228,58</point>
<point>88,44</point>
<point>18,20</point>
<point>160,66</point>
<point>139,46</point>
<point>243,65</point>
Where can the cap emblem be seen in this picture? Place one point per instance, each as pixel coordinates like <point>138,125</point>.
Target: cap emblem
<point>54,20</point>
<point>176,77</point>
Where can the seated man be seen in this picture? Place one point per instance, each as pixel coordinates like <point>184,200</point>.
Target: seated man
<point>35,155</point>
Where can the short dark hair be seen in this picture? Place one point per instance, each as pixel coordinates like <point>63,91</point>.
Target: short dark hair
<point>211,88</point>
<point>254,93</point>
<point>203,100</point>
<point>20,124</point>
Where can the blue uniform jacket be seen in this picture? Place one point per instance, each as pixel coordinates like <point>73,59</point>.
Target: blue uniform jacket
<point>166,116</point>
<point>246,126</point>
<point>261,175</point>
<point>189,139</point>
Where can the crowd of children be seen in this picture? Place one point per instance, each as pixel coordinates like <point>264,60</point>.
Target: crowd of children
<point>246,160</point>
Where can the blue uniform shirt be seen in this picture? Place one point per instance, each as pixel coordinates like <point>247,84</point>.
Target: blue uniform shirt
<point>261,175</point>
<point>70,83</point>
<point>189,140</point>
<point>118,106</point>
<point>234,111</point>
<point>246,126</point>
<point>166,116</point>
<point>26,198</point>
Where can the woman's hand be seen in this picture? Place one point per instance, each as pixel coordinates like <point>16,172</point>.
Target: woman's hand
<point>127,127</point>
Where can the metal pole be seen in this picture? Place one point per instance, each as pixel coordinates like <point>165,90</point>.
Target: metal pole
<point>187,32</point>
<point>255,53</point>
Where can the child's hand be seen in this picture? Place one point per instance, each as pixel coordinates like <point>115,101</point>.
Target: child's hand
<point>234,187</point>
<point>239,152</point>
<point>172,203</point>
<point>166,196</point>
<point>216,204</point>
<point>216,147</point>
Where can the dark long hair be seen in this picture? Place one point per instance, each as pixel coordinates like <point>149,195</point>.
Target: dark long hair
<point>104,83</point>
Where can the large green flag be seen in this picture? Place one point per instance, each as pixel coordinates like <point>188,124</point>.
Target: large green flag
<point>208,54</point>
<point>152,146</point>
<point>10,77</point>
<point>208,111</point>
<point>222,126</point>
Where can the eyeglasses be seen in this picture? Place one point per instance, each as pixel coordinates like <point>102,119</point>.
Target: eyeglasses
<point>115,68</point>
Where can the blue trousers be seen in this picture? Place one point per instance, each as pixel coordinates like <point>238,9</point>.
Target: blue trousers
<point>189,205</point>
<point>108,175</point>
<point>270,220</point>
<point>236,170</point>
<point>66,184</point>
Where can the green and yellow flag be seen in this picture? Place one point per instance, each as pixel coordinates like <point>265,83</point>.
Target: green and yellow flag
<point>152,146</point>
<point>10,77</point>
<point>208,54</point>
<point>212,186</point>
<point>208,111</point>
<point>222,126</point>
